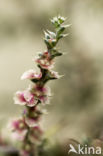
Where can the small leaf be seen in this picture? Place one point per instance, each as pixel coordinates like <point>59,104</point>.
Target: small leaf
<point>55,53</point>
<point>50,42</point>
<point>62,35</point>
<point>60,30</point>
<point>34,80</point>
<point>55,22</point>
<point>47,43</point>
<point>47,36</point>
<point>52,34</point>
<point>61,19</point>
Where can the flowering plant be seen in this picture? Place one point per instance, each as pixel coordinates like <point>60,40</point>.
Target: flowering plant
<point>27,128</point>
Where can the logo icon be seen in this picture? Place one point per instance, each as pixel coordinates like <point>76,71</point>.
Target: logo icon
<point>72,149</point>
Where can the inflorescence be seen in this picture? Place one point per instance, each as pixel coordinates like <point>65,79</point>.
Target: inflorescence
<point>27,128</point>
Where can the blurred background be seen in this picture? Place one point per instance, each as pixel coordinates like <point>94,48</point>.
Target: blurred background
<point>76,109</point>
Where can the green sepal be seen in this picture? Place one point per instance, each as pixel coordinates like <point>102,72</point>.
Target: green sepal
<point>48,77</point>
<point>55,53</point>
<point>61,19</point>
<point>52,34</point>
<point>47,36</point>
<point>57,21</point>
<point>62,36</point>
<point>50,43</point>
<point>34,80</point>
<point>61,29</point>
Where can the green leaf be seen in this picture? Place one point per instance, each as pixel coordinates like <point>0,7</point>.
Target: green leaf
<point>55,22</point>
<point>61,29</point>
<point>55,53</point>
<point>62,35</point>
<point>61,19</point>
<point>34,80</point>
<point>50,42</point>
<point>52,34</point>
<point>47,43</point>
<point>47,36</point>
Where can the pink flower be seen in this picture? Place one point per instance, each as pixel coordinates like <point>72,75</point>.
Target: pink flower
<point>27,150</point>
<point>45,61</point>
<point>31,122</point>
<point>36,134</point>
<point>44,99</point>
<point>31,74</point>
<point>42,93</point>
<point>19,129</point>
<point>24,153</point>
<point>42,90</point>
<point>54,74</point>
<point>32,116</point>
<point>25,98</point>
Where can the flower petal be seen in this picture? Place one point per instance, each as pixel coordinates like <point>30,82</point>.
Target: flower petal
<point>19,98</point>
<point>31,74</point>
